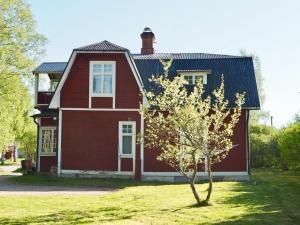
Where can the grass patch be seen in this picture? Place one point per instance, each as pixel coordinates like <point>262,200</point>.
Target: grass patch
<point>273,200</point>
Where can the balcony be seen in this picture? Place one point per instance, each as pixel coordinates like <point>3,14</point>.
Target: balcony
<point>44,97</point>
<point>45,85</point>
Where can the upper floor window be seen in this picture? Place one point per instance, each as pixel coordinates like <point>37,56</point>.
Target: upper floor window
<point>193,79</point>
<point>102,75</point>
<point>195,76</point>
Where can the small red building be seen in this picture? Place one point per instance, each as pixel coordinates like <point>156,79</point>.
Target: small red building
<point>89,116</point>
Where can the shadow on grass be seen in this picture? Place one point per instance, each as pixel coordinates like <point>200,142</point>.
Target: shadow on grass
<point>109,214</point>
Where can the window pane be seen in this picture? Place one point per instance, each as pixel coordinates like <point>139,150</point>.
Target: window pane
<point>127,144</point>
<point>129,129</point>
<point>198,79</point>
<point>97,84</point>
<point>47,138</point>
<point>107,68</point>
<point>189,79</point>
<point>54,140</point>
<point>107,84</point>
<point>97,68</point>
<point>124,129</point>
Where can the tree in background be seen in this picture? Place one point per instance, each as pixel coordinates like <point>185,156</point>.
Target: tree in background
<point>264,146</point>
<point>289,145</point>
<point>20,47</point>
<point>188,128</point>
<point>257,115</point>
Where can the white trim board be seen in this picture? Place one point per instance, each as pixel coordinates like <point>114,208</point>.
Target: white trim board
<point>177,174</point>
<point>100,109</point>
<point>96,172</point>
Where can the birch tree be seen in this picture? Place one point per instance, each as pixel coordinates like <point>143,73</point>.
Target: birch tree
<point>189,128</point>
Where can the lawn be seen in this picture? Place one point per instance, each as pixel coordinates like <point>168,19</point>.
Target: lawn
<point>275,199</point>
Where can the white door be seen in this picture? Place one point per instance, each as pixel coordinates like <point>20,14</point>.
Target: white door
<point>127,142</point>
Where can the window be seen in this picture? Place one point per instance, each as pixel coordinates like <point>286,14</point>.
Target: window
<point>193,79</point>
<point>48,140</point>
<point>102,78</point>
<point>127,138</point>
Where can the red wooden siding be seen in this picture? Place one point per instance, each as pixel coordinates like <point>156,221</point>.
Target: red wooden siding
<point>48,122</point>
<point>237,158</point>
<point>75,92</point>
<point>46,162</point>
<point>90,139</point>
<point>102,102</point>
<point>236,161</point>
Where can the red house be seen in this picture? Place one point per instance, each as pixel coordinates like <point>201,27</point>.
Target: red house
<point>89,116</point>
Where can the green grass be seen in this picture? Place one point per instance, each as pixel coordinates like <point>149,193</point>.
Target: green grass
<point>275,199</point>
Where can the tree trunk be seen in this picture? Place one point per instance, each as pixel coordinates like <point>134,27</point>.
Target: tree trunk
<point>14,153</point>
<point>2,158</point>
<point>209,191</point>
<point>195,193</point>
<point>192,182</point>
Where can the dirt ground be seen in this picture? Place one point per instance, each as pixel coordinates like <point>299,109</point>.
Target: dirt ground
<point>9,188</point>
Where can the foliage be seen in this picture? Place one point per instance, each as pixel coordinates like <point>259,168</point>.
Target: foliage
<point>289,145</point>
<point>20,47</point>
<point>188,127</point>
<point>264,146</point>
<point>274,200</point>
<point>257,115</point>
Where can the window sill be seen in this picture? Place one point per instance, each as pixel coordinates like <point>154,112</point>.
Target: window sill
<point>102,95</point>
<point>48,154</point>
<point>126,156</point>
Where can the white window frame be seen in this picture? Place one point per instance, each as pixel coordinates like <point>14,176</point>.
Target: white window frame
<point>194,75</point>
<point>53,153</point>
<point>133,135</point>
<point>92,94</point>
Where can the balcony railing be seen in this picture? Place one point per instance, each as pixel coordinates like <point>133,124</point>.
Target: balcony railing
<point>44,97</point>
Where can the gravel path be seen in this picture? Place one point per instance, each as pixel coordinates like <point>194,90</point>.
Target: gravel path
<point>9,188</point>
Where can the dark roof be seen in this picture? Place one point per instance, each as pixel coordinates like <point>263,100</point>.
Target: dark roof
<point>51,67</point>
<point>183,56</point>
<point>102,46</point>
<point>238,74</point>
<point>238,71</point>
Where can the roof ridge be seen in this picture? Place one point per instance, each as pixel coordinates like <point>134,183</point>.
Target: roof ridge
<point>104,45</point>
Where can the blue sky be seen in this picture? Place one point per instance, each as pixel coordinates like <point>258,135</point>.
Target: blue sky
<point>268,28</point>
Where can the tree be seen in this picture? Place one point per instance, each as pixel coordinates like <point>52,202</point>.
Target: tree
<point>188,127</point>
<point>264,146</point>
<point>289,145</point>
<point>257,115</point>
<point>20,47</point>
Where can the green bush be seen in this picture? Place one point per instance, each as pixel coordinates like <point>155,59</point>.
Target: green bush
<point>264,151</point>
<point>289,145</point>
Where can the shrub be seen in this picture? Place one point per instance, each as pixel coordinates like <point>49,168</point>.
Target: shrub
<point>264,146</point>
<point>289,145</point>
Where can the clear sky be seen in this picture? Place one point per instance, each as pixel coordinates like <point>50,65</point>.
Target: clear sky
<point>269,28</point>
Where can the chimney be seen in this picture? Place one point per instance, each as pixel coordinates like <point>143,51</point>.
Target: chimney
<point>147,41</point>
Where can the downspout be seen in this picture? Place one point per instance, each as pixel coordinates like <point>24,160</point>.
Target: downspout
<point>248,142</point>
<point>37,144</point>
<point>57,136</point>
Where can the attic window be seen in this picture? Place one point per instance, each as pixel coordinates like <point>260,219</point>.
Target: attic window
<point>193,79</point>
<point>102,75</point>
<point>194,76</point>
